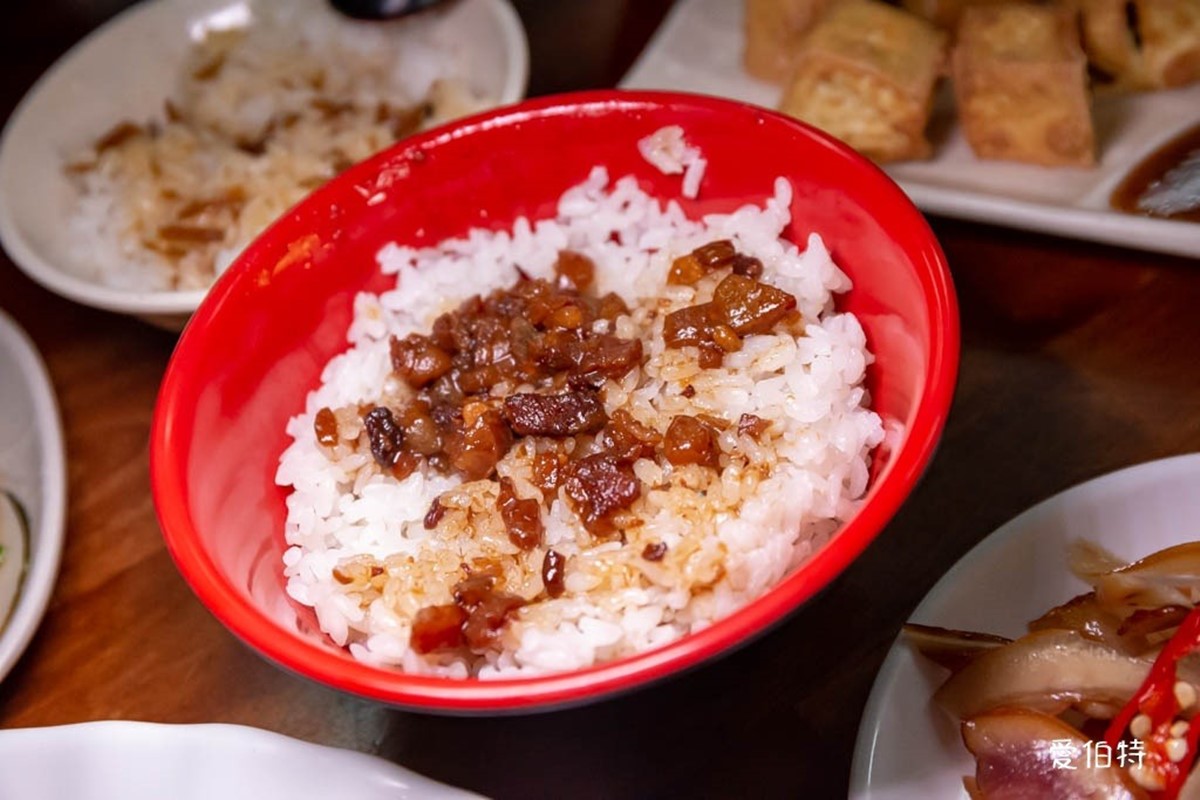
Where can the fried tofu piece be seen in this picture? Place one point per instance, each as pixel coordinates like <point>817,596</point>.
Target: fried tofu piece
<point>943,13</point>
<point>866,74</point>
<point>774,31</point>
<point>1170,34</point>
<point>1020,79</point>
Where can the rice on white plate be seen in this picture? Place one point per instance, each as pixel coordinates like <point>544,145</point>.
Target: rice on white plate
<point>698,542</point>
<point>263,111</point>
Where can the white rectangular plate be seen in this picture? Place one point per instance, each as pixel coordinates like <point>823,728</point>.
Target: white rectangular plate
<point>699,49</point>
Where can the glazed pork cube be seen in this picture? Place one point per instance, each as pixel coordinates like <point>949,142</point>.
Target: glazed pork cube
<point>866,74</point>
<point>1020,79</point>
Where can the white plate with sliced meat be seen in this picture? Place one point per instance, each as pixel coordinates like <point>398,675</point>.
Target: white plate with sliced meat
<point>909,747</point>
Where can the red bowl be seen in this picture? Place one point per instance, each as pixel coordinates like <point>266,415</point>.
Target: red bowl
<point>257,344</point>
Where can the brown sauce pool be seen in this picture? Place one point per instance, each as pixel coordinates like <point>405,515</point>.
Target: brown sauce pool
<point>1151,170</point>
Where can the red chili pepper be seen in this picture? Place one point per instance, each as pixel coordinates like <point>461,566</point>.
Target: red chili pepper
<point>1156,699</point>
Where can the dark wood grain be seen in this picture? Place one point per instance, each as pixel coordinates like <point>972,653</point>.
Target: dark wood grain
<point>1077,360</point>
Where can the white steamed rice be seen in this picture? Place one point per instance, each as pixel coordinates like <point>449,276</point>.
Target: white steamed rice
<point>731,535</point>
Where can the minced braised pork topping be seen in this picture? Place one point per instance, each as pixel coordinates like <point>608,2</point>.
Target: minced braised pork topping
<point>741,305</point>
<point>552,573</point>
<point>554,337</point>
<point>538,333</point>
<point>473,621</point>
<point>555,414</point>
<point>522,518</point>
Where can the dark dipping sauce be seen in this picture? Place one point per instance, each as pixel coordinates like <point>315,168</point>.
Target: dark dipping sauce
<point>1152,170</point>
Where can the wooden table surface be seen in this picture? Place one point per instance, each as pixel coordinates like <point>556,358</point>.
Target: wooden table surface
<point>1077,360</point>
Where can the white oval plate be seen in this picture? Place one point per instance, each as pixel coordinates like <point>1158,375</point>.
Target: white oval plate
<point>32,468</point>
<point>148,761</point>
<point>699,49</point>
<point>124,70</point>
<point>908,749</point>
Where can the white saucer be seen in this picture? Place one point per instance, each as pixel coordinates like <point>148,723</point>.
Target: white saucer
<point>32,469</point>
<point>147,761</point>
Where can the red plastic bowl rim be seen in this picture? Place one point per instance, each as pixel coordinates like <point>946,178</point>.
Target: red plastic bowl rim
<point>292,652</point>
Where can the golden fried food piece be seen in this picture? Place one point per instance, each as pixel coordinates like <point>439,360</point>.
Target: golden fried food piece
<point>1170,34</point>
<point>866,75</point>
<point>774,31</point>
<point>1143,44</point>
<point>943,13</point>
<point>1110,42</point>
<point>1020,79</point>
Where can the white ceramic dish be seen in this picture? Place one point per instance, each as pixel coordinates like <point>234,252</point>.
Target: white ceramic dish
<point>699,49</point>
<point>32,469</point>
<point>909,750</point>
<point>147,761</point>
<point>124,71</point>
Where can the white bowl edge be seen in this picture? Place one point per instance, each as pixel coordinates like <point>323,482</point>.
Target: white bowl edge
<point>48,516</point>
